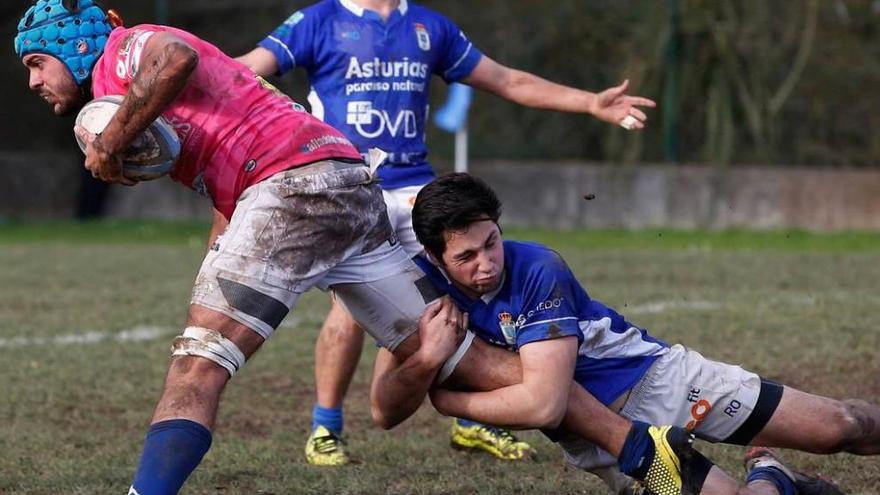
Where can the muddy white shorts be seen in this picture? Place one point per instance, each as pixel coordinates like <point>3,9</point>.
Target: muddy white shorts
<point>322,225</point>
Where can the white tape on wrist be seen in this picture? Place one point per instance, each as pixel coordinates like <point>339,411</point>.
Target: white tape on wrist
<point>452,362</point>
<point>629,122</point>
<point>209,344</point>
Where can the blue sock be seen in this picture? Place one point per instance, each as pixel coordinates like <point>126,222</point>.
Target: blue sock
<point>172,450</point>
<point>466,422</point>
<point>637,452</point>
<point>330,418</point>
<point>783,483</point>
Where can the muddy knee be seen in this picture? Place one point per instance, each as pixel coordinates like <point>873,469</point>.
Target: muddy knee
<point>844,428</point>
<point>864,418</point>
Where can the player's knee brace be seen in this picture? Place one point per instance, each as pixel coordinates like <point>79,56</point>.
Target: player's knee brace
<point>452,362</point>
<point>209,344</point>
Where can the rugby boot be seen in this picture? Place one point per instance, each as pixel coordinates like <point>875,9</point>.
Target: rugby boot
<point>655,455</point>
<point>325,448</point>
<point>806,484</point>
<point>496,441</point>
<point>671,445</point>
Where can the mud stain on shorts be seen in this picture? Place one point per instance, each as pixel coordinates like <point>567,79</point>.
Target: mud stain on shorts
<point>404,326</point>
<point>314,229</point>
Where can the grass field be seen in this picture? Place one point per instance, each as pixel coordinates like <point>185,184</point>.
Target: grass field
<point>87,312</point>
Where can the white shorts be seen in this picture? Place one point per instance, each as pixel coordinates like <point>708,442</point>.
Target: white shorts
<point>682,388</point>
<point>399,203</point>
<point>322,225</point>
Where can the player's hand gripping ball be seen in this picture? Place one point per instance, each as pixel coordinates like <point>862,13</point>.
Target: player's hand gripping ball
<point>150,156</point>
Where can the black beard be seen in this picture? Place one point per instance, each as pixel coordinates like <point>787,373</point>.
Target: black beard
<point>83,96</point>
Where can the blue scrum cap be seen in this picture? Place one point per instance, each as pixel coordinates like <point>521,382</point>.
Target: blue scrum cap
<point>72,31</point>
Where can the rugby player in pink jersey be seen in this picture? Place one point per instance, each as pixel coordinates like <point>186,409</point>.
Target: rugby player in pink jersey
<point>302,210</point>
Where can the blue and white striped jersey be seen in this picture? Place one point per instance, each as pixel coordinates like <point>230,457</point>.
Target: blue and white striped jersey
<point>540,299</point>
<point>370,77</point>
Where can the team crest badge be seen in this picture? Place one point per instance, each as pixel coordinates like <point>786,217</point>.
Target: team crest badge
<point>423,37</point>
<point>508,327</point>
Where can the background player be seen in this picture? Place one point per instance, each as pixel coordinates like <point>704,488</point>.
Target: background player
<point>523,297</point>
<point>370,64</point>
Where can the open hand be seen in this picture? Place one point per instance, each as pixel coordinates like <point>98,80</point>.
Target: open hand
<point>616,107</point>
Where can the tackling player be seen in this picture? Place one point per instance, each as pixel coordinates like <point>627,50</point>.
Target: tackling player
<point>523,297</point>
<point>370,64</point>
<point>302,210</point>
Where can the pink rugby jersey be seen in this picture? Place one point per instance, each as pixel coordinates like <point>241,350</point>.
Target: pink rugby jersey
<point>235,130</point>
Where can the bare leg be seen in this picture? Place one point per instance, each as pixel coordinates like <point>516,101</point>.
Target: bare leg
<point>337,352</point>
<point>833,425</point>
<point>193,384</point>
<point>590,419</point>
<point>180,433</point>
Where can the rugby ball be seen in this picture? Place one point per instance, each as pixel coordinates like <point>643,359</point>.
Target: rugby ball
<point>150,156</point>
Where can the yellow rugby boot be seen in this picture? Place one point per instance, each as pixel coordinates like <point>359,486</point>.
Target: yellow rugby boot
<point>496,441</point>
<point>664,473</point>
<point>654,456</point>
<point>324,448</point>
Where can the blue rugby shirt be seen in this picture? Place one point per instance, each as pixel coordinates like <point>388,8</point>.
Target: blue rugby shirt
<point>540,299</point>
<point>370,78</point>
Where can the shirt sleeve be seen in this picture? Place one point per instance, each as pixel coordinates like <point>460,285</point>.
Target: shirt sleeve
<point>125,58</point>
<point>549,301</point>
<point>291,42</point>
<point>459,56</point>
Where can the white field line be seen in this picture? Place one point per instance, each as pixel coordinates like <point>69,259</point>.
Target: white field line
<point>136,334</point>
<point>661,306</point>
<point>699,305</point>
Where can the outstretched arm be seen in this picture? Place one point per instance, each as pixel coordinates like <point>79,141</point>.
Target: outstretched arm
<point>165,67</point>
<point>612,105</point>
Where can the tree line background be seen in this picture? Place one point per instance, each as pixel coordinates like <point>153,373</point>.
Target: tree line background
<point>787,82</point>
